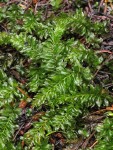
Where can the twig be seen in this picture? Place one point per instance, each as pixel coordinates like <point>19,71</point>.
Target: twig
<point>111,5</point>
<point>23,92</point>
<point>104,72</point>
<point>99,111</point>
<point>78,144</point>
<point>13,1</point>
<point>110,57</point>
<point>39,5</point>
<point>108,85</point>
<point>43,4</point>
<point>105,8</point>
<point>109,16</point>
<point>87,140</point>
<point>18,132</point>
<point>4,28</point>
<point>21,128</point>
<point>104,51</point>
<point>36,7</point>
<point>100,5</point>
<point>28,5</point>
<point>93,144</point>
<point>89,4</point>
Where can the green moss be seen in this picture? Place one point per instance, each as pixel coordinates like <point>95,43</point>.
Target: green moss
<point>56,73</point>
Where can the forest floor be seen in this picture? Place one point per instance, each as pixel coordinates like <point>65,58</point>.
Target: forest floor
<point>103,76</point>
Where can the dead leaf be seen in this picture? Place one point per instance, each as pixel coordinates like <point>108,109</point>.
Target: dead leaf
<point>22,104</point>
<point>34,1</point>
<point>109,108</point>
<point>37,116</point>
